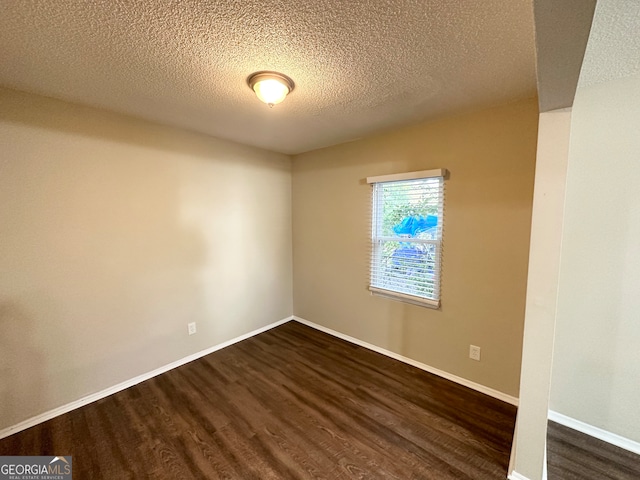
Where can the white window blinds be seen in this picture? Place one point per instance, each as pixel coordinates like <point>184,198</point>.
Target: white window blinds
<point>407,220</point>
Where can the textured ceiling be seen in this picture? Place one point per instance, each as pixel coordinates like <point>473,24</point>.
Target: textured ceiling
<point>360,66</point>
<point>613,50</point>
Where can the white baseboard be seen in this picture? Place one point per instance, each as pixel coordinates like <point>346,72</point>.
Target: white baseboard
<point>462,381</point>
<point>596,432</point>
<point>43,417</point>
<point>48,415</point>
<point>516,476</point>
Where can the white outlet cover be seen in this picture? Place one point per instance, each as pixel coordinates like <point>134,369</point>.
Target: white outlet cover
<point>474,352</point>
<point>192,328</point>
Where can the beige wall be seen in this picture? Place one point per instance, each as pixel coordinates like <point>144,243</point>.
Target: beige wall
<point>491,157</point>
<point>596,364</point>
<point>114,233</point>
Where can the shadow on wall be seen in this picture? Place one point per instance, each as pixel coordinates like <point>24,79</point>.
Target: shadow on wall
<point>101,124</point>
<point>21,364</point>
<point>101,275</point>
<point>120,240</point>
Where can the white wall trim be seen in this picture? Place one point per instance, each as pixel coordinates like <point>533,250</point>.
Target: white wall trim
<point>462,381</point>
<point>544,462</point>
<point>596,432</point>
<point>516,476</point>
<point>43,417</point>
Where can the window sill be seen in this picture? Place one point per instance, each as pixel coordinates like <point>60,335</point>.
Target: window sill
<point>401,297</point>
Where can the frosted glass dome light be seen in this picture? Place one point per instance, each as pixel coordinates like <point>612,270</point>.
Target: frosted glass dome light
<point>270,87</point>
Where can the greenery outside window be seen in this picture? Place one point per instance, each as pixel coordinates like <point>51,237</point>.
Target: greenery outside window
<point>407,220</point>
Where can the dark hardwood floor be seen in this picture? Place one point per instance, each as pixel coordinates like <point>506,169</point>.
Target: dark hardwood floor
<point>288,403</point>
<point>572,455</point>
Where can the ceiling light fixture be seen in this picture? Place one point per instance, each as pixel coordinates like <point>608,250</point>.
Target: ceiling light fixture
<point>270,87</point>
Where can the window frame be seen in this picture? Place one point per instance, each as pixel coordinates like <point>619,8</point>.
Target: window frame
<point>377,239</point>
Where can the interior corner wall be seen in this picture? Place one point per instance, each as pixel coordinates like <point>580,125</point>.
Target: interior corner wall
<point>114,234</point>
<point>596,364</point>
<point>491,158</point>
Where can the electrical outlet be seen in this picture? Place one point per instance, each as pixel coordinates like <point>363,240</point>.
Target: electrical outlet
<point>192,328</point>
<point>474,352</point>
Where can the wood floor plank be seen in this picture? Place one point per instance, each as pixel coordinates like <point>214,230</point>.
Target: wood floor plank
<point>572,455</point>
<point>289,403</point>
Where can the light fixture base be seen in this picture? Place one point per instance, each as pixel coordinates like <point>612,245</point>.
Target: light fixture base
<point>286,85</point>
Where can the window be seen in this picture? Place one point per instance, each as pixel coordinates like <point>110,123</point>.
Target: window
<point>406,239</point>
